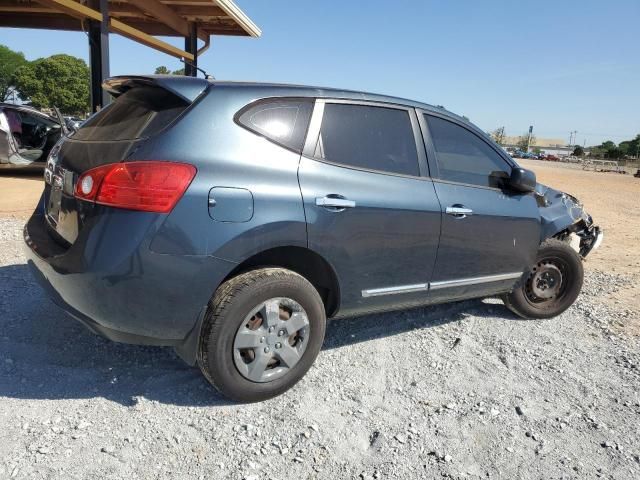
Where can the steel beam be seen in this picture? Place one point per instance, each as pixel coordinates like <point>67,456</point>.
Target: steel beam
<point>98,32</point>
<point>191,46</point>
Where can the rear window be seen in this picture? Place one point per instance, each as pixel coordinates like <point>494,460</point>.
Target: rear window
<point>137,113</point>
<point>281,120</point>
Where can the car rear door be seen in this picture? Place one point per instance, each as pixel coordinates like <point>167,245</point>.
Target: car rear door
<point>490,234</point>
<point>371,210</point>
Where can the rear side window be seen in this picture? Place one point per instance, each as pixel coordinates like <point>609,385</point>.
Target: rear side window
<point>283,120</point>
<point>137,113</point>
<point>464,157</point>
<point>375,138</point>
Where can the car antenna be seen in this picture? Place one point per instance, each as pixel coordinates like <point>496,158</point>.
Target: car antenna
<point>206,75</point>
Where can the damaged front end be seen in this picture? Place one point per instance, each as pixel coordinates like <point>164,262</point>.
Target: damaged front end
<point>563,217</point>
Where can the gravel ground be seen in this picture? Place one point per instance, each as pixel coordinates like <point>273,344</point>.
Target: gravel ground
<point>464,390</point>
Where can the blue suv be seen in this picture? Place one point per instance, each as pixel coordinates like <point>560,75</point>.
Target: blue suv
<point>230,220</point>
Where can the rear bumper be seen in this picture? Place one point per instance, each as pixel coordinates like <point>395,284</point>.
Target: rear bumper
<point>111,282</point>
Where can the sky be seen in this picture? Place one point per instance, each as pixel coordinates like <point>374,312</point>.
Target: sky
<point>557,65</point>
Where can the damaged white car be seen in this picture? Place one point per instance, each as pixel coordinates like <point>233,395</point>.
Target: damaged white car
<point>26,136</point>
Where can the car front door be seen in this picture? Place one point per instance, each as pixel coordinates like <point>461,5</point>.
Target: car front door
<point>371,210</point>
<point>490,234</point>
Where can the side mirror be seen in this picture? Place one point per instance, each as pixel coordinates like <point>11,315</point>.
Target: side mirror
<point>522,180</point>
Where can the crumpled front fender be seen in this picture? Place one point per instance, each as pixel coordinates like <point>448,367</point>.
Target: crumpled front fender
<point>563,216</point>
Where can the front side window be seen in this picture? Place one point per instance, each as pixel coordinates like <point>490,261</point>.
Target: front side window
<point>464,157</point>
<point>283,121</point>
<point>375,138</point>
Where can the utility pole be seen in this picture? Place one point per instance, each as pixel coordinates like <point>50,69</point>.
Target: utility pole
<point>529,137</point>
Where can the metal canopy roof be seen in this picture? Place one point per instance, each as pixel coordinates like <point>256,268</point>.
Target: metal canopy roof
<point>138,20</point>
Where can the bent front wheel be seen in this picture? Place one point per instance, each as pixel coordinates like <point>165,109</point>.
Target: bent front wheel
<point>551,285</point>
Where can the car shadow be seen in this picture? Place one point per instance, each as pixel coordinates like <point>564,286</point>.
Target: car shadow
<point>45,354</point>
<point>24,173</point>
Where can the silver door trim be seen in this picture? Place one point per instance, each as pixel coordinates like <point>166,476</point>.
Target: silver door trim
<point>458,211</point>
<point>337,202</point>
<point>375,292</point>
<point>421,287</point>
<point>464,282</point>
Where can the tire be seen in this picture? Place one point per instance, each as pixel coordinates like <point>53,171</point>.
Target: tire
<point>234,319</point>
<point>540,296</point>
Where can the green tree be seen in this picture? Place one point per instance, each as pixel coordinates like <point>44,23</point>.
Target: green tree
<point>609,149</point>
<point>615,152</point>
<point>631,147</point>
<point>498,136</point>
<point>523,141</point>
<point>578,151</point>
<point>60,80</point>
<point>162,70</point>
<point>10,61</point>
<point>608,145</point>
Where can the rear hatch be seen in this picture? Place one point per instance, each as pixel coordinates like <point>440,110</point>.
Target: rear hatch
<point>143,107</point>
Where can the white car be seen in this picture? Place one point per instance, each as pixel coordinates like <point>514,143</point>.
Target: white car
<point>26,136</point>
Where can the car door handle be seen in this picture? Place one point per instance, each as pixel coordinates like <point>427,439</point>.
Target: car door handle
<point>335,202</point>
<point>458,211</point>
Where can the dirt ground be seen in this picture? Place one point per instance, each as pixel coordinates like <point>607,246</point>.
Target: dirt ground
<point>19,193</point>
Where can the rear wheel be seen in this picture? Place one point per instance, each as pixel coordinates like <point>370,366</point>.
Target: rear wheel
<point>551,285</point>
<point>262,332</point>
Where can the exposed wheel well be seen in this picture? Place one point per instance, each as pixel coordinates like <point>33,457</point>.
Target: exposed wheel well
<point>303,261</point>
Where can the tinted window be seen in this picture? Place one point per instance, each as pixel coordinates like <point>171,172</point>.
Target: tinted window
<point>283,121</point>
<point>463,157</point>
<point>375,138</point>
<point>137,113</point>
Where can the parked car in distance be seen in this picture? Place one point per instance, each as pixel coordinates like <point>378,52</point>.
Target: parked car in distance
<point>230,220</point>
<point>26,136</point>
<point>552,158</point>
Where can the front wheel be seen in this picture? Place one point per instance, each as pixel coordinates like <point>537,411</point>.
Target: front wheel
<point>262,332</point>
<point>551,285</point>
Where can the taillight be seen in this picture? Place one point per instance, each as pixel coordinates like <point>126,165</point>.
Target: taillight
<point>149,186</point>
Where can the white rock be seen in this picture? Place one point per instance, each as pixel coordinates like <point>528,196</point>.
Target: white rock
<point>82,425</point>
